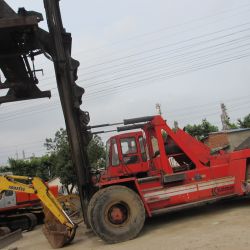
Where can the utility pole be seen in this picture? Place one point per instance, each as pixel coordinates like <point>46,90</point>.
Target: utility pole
<point>16,154</point>
<point>158,108</point>
<point>176,126</point>
<point>224,117</point>
<point>23,155</point>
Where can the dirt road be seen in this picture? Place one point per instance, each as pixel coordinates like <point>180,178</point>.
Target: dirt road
<point>225,225</point>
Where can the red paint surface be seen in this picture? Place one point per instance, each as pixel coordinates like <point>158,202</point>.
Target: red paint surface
<point>213,176</point>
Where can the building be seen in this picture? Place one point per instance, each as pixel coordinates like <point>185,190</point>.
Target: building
<point>229,140</point>
<point>61,188</point>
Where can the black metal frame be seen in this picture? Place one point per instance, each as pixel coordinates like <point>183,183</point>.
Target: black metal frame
<point>22,83</point>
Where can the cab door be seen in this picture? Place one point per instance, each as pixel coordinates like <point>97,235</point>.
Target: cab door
<point>113,163</point>
<point>133,153</point>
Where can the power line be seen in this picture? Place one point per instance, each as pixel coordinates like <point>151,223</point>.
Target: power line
<point>171,35</point>
<point>181,58</point>
<point>29,108</point>
<point>178,55</point>
<point>33,112</point>
<point>113,53</point>
<point>23,110</point>
<point>176,73</point>
<point>212,106</point>
<point>162,76</point>
<point>171,51</point>
<point>44,79</point>
<point>234,40</point>
<point>234,108</point>
<point>180,118</point>
<point>165,56</point>
<point>195,20</point>
<point>166,46</point>
<point>211,114</point>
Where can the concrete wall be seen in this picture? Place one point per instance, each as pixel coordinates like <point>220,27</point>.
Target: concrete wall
<point>221,139</point>
<point>217,140</point>
<point>235,139</point>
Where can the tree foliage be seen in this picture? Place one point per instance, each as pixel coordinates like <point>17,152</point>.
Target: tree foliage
<point>58,161</point>
<point>232,125</point>
<point>200,131</point>
<point>60,154</point>
<point>59,142</point>
<point>96,152</point>
<point>241,123</point>
<point>36,166</point>
<point>245,122</point>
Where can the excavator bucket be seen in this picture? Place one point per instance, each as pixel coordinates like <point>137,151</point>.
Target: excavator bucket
<point>56,233</point>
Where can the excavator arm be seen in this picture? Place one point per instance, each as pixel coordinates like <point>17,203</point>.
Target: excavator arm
<point>58,228</point>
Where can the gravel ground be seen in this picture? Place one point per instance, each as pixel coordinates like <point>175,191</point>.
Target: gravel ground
<point>224,225</point>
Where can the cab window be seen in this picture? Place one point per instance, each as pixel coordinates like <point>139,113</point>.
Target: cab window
<point>107,153</point>
<point>128,145</point>
<point>9,193</point>
<point>142,146</point>
<point>178,160</point>
<point>155,146</point>
<point>129,150</point>
<point>114,158</point>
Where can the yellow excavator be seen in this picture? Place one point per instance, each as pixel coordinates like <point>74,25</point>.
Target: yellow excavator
<point>58,228</point>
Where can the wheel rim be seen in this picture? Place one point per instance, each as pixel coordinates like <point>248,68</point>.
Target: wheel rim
<point>117,214</point>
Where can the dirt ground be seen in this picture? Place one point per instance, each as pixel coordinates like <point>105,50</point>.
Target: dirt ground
<point>224,225</point>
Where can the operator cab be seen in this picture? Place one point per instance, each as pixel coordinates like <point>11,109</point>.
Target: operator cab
<point>126,155</point>
<point>130,154</point>
<point>155,149</point>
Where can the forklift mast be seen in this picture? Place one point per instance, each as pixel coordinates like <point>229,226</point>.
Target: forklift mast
<point>20,41</point>
<point>71,98</point>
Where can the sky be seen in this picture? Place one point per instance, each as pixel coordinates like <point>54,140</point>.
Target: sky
<point>187,55</point>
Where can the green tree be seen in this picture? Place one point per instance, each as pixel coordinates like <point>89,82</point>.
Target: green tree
<point>202,130</point>
<point>64,167</point>
<point>232,125</point>
<point>245,122</point>
<point>4,169</point>
<point>36,166</point>
<point>241,123</point>
<point>96,152</point>
<point>60,154</point>
<point>60,141</point>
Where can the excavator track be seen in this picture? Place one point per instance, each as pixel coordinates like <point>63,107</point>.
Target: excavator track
<point>25,222</point>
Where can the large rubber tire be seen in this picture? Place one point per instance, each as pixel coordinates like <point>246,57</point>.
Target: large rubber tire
<point>115,201</point>
<point>91,205</point>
